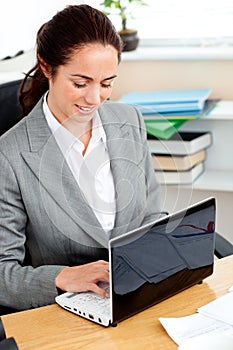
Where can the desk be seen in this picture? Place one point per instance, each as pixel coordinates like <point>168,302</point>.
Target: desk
<point>51,327</point>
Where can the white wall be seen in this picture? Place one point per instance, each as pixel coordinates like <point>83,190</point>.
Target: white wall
<point>175,74</point>
<point>20,20</point>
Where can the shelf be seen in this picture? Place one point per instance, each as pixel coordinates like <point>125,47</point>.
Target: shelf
<point>223,111</point>
<point>210,180</point>
<point>153,53</point>
<point>215,180</point>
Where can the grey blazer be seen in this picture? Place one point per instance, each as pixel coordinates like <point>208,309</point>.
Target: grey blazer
<point>45,222</point>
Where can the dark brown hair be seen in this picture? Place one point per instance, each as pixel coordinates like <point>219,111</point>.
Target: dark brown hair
<point>70,29</point>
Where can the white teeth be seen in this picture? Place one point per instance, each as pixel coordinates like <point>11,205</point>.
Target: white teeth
<point>86,108</point>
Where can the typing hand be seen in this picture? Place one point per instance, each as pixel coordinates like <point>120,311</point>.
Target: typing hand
<point>84,278</point>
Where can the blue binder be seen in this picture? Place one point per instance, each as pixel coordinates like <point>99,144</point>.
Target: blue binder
<point>168,100</point>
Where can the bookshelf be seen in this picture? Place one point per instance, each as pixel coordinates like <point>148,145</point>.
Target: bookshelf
<point>217,180</point>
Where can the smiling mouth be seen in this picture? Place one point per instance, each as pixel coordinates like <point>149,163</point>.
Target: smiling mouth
<point>85,109</point>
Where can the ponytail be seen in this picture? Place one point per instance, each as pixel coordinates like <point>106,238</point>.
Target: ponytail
<point>31,89</point>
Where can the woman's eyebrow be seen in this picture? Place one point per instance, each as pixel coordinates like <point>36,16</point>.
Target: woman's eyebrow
<point>112,77</point>
<point>82,76</point>
<point>89,78</point>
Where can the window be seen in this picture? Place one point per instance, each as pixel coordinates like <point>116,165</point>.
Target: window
<point>183,22</point>
<point>162,22</point>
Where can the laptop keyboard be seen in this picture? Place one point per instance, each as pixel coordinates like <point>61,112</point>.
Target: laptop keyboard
<point>92,302</point>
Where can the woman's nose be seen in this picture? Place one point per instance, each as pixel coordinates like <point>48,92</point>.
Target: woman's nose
<point>93,95</point>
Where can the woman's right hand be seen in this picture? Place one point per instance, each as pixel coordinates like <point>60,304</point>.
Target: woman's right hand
<point>84,278</point>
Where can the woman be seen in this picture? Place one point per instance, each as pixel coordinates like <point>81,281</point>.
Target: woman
<point>75,170</point>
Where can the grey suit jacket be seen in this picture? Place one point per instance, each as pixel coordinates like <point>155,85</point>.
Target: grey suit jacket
<point>45,222</point>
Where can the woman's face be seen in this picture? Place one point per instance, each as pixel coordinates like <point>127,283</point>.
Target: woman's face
<point>84,83</point>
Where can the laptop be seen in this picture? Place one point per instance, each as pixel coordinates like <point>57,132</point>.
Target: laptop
<point>150,264</point>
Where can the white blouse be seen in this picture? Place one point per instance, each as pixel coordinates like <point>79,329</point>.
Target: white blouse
<point>91,171</point>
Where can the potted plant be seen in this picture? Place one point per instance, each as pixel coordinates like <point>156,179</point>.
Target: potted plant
<point>124,8</point>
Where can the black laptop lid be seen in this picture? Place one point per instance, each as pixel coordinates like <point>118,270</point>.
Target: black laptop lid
<point>157,262</point>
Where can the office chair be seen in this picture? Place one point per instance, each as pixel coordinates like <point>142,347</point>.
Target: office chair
<point>9,112</point>
<point>6,343</point>
<point>222,246</point>
<point>9,106</point>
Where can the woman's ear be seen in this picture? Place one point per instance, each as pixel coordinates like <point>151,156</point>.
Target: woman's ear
<point>44,66</point>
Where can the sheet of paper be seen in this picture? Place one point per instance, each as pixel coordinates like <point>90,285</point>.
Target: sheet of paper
<point>220,309</point>
<point>183,328</point>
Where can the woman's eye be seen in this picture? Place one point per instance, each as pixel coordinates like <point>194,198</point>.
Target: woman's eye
<point>106,86</point>
<point>80,86</point>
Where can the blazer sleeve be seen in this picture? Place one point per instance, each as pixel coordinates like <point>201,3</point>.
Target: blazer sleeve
<point>22,286</point>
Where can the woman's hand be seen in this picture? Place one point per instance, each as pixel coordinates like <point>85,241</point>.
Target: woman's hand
<point>84,278</point>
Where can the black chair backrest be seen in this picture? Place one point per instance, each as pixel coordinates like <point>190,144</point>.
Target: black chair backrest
<point>222,246</point>
<point>6,343</point>
<point>2,331</point>
<point>9,105</point>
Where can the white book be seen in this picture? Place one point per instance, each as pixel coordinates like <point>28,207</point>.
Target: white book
<point>180,177</point>
<point>180,143</point>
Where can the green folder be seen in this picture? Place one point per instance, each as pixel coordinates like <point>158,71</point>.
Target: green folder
<point>163,129</point>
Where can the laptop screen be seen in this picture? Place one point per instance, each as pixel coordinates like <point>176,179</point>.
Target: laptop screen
<point>156,262</point>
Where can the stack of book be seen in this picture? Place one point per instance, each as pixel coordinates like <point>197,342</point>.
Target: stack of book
<point>179,160</point>
<point>165,111</point>
<point>154,102</point>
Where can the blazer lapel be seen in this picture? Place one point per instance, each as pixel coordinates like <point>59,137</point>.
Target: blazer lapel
<point>124,165</point>
<point>48,163</point>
